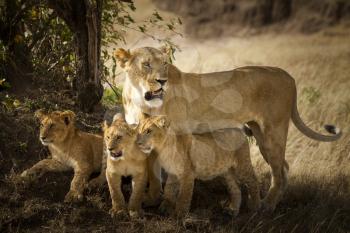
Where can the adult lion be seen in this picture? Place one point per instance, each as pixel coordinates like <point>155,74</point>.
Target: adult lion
<point>265,98</point>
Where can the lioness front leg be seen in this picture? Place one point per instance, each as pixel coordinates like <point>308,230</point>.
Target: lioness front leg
<point>139,185</point>
<point>118,203</point>
<point>183,204</point>
<point>78,185</point>
<point>42,167</point>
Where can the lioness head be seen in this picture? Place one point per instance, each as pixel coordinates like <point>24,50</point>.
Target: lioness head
<point>118,136</point>
<point>151,132</point>
<point>147,69</point>
<point>55,126</point>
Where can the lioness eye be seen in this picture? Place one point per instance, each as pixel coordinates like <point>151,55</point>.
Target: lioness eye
<point>119,137</point>
<point>148,131</point>
<point>51,126</point>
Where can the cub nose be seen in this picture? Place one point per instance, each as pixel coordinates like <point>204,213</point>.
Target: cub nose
<point>110,148</point>
<point>162,82</point>
<point>42,138</point>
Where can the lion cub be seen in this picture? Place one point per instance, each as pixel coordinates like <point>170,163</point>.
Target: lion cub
<point>188,157</point>
<point>126,159</point>
<point>70,149</point>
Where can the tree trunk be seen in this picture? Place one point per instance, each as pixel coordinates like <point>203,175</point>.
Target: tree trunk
<point>18,67</point>
<point>83,18</point>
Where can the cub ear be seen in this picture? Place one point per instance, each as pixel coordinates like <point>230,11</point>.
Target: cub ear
<point>68,116</point>
<point>161,122</point>
<point>40,114</point>
<point>122,57</point>
<point>118,117</point>
<point>144,116</point>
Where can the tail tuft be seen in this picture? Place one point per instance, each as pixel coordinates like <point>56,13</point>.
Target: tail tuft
<point>332,129</point>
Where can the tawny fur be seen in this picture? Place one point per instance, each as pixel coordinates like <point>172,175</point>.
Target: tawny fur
<point>119,138</point>
<point>188,157</point>
<point>70,148</point>
<point>263,97</point>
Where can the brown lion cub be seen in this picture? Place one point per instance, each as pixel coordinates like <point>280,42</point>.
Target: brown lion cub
<point>188,157</point>
<point>70,148</point>
<point>125,159</point>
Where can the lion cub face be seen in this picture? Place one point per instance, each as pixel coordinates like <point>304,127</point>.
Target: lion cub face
<point>147,69</point>
<point>118,138</point>
<point>151,132</point>
<point>55,126</point>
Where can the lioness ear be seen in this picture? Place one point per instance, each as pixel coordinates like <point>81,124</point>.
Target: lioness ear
<point>167,51</point>
<point>161,122</point>
<point>68,116</point>
<point>118,117</point>
<point>122,57</point>
<point>40,114</point>
<point>104,125</point>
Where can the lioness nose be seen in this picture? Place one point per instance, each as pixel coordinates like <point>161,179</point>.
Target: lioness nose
<point>110,148</point>
<point>42,138</point>
<point>162,82</point>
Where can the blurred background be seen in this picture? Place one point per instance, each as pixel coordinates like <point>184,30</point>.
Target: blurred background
<point>44,64</point>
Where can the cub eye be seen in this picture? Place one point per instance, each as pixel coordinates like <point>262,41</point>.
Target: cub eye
<point>146,65</point>
<point>107,137</point>
<point>119,137</point>
<point>148,131</point>
<point>52,126</point>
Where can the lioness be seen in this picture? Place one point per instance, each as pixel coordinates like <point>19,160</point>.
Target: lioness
<point>70,148</point>
<point>126,159</point>
<point>188,157</point>
<point>263,97</point>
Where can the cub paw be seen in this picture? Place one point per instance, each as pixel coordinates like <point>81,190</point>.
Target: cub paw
<point>120,214</point>
<point>233,212</point>
<point>73,196</point>
<point>151,201</point>
<point>135,214</point>
<point>166,208</point>
<point>27,176</point>
<point>95,184</point>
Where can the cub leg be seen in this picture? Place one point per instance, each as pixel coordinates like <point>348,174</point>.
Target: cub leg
<point>154,179</point>
<point>169,196</point>
<point>246,174</point>
<point>235,193</point>
<point>78,184</point>
<point>118,203</point>
<point>44,166</point>
<point>139,185</point>
<point>99,181</point>
<point>184,198</point>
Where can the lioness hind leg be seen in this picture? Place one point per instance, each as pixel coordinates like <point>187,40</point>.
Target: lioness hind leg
<point>273,144</point>
<point>235,193</point>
